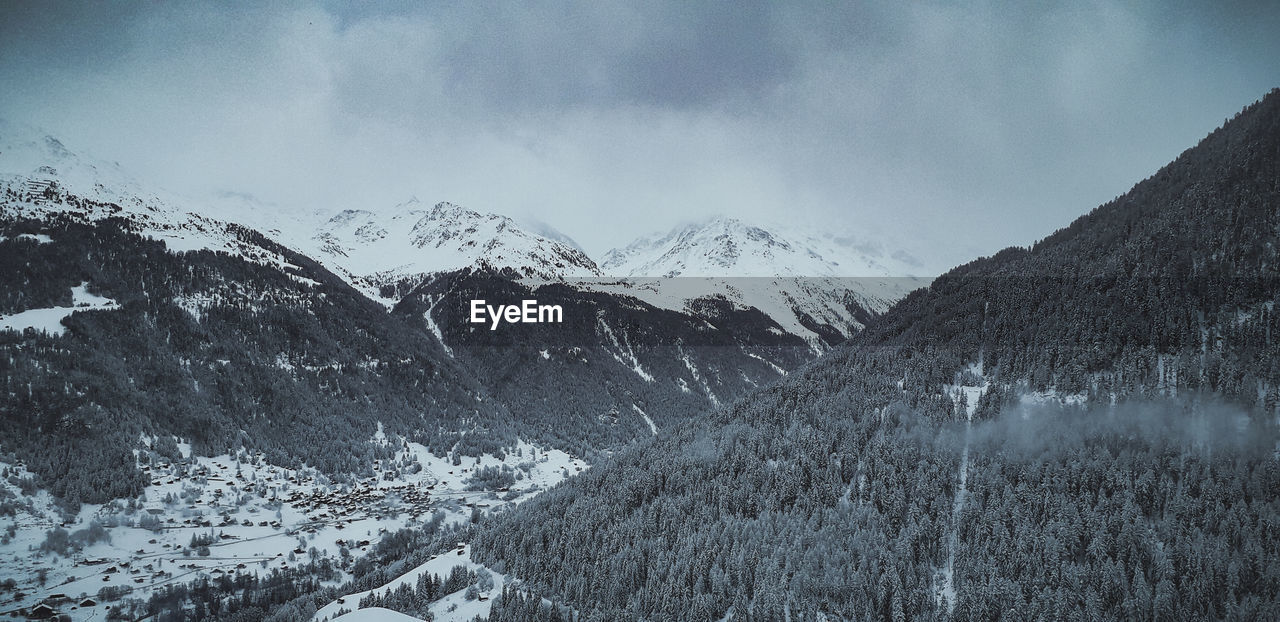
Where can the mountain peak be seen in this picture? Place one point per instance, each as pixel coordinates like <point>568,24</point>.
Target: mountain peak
<point>725,246</point>
<point>383,248</point>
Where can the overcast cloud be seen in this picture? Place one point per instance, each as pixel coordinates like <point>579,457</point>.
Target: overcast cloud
<point>952,130</point>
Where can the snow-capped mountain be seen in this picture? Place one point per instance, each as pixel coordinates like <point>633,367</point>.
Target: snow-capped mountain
<point>818,286</point>
<point>728,247</point>
<point>798,279</point>
<point>42,177</point>
<point>412,241</point>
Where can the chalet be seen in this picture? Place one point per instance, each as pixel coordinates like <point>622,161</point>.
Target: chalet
<point>42,612</point>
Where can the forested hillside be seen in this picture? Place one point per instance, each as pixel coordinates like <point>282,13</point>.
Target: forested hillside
<point>1085,429</point>
<point>616,368</point>
<point>214,349</point>
<point>1168,288</point>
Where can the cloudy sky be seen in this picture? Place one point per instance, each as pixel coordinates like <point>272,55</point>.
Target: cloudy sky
<point>951,130</point>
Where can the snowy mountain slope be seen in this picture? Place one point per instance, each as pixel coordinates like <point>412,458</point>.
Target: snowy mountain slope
<point>820,287</point>
<point>40,177</point>
<point>584,377</point>
<point>385,254</point>
<point>821,310</point>
<point>385,250</point>
<point>728,247</point>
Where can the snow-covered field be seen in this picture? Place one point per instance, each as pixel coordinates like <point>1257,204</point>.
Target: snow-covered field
<point>376,614</point>
<point>50,320</point>
<point>454,606</point>
<point>784,299</point>
<point>222,515</point>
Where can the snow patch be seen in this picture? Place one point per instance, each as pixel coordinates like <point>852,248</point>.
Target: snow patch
<point>697,377</point>
<point>435,328</point>
<point>50,320</point>
<point>1051,396</point>
<point>375,614</point>
<point>652,428</point>
<point>781,371</point>
<point>624,353</point>
<point>38,238</point>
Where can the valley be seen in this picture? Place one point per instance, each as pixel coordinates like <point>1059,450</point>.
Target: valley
<point>214,518</point>
<point>328,417</point>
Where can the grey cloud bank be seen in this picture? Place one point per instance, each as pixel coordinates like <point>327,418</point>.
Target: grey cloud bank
<point>957,130</point>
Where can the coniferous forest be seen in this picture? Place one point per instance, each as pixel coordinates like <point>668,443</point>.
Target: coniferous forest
<point>913,474</point>
<point>202,419</point>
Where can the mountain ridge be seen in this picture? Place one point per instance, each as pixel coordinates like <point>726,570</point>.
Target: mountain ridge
<point>386,253</point>
<point>724,246</point>
<point>411,243</point>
